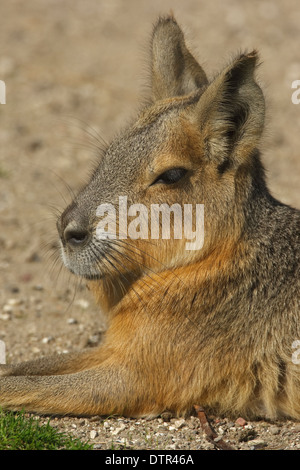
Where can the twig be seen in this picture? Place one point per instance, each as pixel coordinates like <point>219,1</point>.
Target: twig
<point>209,431</point>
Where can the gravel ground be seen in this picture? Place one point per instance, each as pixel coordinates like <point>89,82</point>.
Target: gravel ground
<point>165,433</point>
<point>77,69</point>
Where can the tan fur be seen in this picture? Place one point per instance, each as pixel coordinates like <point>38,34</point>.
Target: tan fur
<point>213,326</point>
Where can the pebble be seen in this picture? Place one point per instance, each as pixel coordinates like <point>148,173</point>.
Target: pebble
<point>5,316</point>
<point>93,340</point>
<point>246,435</point>
<point>33,257</point>
<point>15,302</point>
<point>47,339</point>
<point>84,304</point>
<point>230,424</point>
<point>172,447</point>
<point>274,430</point>
<point>208,446</point>
<point>38,287</point>
<point>7,308</point>
<point>119,429</point>
<point>93,434</point>
<point>241,422</point>
<point>14,289</point>
<point>179,423</point>
<point>257,444</point>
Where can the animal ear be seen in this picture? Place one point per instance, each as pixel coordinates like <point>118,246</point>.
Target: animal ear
<point>231,112</point>
<point>175,72</point>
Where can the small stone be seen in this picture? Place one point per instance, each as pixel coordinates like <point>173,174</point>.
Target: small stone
<point>179,423</point>
<point>33,258</point>
<point>93,340</point>
<point>72,321</point>
<point>241,422</point>
<point>119,429</point>
<point>14,289</point>
<point>93,434</point>
<point>274,430</point>
<point>84,304</point>
<point>47,339</point>
<point>15,302</point>
<point>172,447</point>
<point>246,435</point>
<point>94,419</point>
<point>124,442</point>
<point>7,308</point>
<point>208,445</point>
<point>5,316</point>
<point>296,428</point>
<point>258,444</point>
<point>38,287</point>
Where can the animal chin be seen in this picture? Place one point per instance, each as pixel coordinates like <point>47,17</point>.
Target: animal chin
<point>78,269</point>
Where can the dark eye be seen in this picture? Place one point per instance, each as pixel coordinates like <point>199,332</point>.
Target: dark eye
<point>171,176</point>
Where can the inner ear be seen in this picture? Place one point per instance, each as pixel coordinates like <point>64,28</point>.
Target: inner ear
<point>230,112</point>
<point>175,72</point>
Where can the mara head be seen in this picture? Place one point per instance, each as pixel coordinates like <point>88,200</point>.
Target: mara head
<point>173,186</point>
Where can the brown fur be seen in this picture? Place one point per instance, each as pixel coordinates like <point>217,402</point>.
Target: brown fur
<point>214,326</point>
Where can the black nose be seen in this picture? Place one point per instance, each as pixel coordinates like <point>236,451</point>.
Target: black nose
<point>72,226</point>
<point>75,235</point>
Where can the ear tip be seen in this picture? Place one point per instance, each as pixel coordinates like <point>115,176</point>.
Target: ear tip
<point>165,21</point>
<point>252,56</point>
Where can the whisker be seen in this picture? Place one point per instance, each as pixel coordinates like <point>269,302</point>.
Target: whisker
<point>123,266</point>
<point>133,260</point>
<point>105,255</point>
<point>150,256</point>
<point>131,287</point>
<point>91,132</point>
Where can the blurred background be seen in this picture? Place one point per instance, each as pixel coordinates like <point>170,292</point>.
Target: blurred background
<point>75,71</point>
